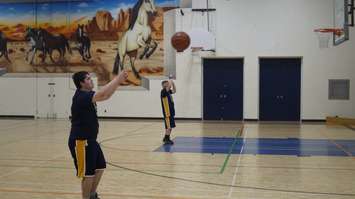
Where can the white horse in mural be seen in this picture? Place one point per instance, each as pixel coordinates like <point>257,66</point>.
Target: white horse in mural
<point>138,35</point>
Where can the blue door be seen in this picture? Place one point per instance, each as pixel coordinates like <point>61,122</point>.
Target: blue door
<point>280,89</point>
<point>223,89</point>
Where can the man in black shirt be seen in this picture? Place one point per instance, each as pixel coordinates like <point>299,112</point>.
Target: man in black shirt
<point>167,104</point>
<point>88,157</point>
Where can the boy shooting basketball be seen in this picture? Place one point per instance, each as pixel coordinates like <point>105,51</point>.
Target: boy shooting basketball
<point>88,157</point>
<point>168,108</point>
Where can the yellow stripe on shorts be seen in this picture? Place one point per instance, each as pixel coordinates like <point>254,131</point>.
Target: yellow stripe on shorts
<point>80,157</point>
<point>167,122</point>
<point>166,107</point>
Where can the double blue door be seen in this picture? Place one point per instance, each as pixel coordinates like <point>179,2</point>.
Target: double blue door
<point>280,89</point>
<point>223,89</point>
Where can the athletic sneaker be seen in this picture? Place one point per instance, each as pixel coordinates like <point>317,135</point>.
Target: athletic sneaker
<point>96,196</point>
<point>168,141</point>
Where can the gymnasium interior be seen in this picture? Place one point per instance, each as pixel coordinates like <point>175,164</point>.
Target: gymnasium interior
<point>264,102</point>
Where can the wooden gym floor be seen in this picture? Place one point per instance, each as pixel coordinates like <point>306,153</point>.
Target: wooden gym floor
<point>278,160</point>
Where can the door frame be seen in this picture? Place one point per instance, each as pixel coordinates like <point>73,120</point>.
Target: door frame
<point>301,83</point>
<point>202,78</point>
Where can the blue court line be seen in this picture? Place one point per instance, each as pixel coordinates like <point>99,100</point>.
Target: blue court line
<point>265,146</point>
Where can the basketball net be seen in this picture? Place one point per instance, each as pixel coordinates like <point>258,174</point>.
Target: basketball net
<point>197,53</point>
<point>323,39</point>
<point>325,34</point>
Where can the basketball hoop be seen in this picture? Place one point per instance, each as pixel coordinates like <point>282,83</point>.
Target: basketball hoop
<point>199,52</point>
<point>324,35</point>
<point>196,49</point>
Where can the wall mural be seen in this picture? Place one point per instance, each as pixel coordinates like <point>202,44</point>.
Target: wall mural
<point>98,36</point>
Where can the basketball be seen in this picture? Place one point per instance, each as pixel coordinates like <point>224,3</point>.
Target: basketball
<point>180,41</point>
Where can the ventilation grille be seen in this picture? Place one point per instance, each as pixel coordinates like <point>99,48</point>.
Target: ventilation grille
<point>339,89</point>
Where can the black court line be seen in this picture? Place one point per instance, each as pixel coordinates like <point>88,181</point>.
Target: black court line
<point>114,169</point>
<point>349,127</point>
<point>218,184</point>
<point>191,165</point>
<point>228,185</point>
<point>210,183</point>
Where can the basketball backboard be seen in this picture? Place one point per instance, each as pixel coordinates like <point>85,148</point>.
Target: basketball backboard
<point>341,20</point>
<point>202,38</point>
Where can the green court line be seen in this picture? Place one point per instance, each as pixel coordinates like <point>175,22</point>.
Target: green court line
<point>231,150</point>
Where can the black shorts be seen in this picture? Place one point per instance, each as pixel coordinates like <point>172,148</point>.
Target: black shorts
<point>169,122</point>
<point>88,157</point>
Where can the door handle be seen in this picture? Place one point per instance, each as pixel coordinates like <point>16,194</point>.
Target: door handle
<point>280,97</point>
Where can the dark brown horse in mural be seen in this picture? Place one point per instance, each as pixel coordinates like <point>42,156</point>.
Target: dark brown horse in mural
<point>52,42</point>
<point>31,35</point>
<point>83,43</point>
<point>3,46</point>
<point>137,36</point>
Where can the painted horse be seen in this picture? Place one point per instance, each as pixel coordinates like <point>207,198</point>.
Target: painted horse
<point>137,36</point>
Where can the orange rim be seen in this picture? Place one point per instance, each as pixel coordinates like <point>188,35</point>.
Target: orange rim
<point>336,31</point>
